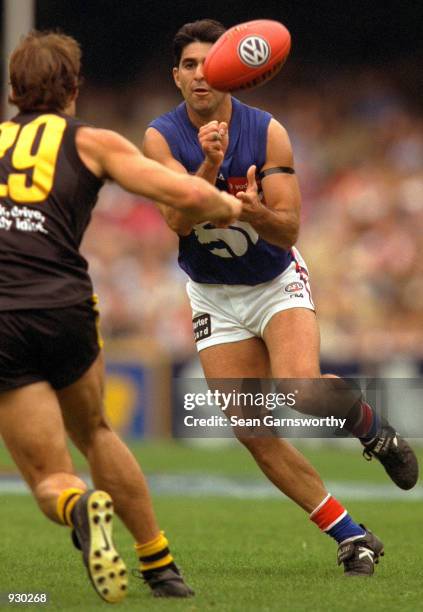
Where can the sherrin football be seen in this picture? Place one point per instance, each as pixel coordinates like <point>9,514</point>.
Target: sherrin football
<point>247,55</point>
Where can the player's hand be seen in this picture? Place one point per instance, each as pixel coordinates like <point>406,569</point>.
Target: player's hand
<point>229,210</point>
<point>251,204</point>
<point>214,139</point>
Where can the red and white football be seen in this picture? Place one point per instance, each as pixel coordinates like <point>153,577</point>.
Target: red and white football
<point>247,55</point>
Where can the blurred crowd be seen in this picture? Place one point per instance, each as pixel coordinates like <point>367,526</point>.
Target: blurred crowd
<point>358,143</point>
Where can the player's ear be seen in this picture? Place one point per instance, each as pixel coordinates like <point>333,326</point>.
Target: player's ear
<point>175,73</point>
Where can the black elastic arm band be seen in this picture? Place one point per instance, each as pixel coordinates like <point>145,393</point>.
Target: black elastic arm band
<point>276,170</point>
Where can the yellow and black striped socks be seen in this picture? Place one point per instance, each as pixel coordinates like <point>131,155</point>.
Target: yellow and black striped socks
<point>154,554</point>
<point>66,503</point>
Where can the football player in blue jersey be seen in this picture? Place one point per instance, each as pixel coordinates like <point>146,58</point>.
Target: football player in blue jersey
<point>253,313</point>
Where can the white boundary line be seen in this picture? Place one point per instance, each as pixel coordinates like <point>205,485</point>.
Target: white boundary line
<point>204,485</point>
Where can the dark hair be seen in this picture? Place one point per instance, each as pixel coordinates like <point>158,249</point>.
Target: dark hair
<point>44,71</point>
<point>204,30</point>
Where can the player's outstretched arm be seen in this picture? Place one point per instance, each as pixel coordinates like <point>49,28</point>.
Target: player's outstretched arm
<point>278,221</point>
<point>108,155</point>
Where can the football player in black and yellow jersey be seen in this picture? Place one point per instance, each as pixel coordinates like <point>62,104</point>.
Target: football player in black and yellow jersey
<point>51,366</point>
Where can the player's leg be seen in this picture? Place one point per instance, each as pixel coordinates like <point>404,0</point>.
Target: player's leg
<point>285,467</point>
<point>227,350</point>
<point>381,441</point>
<point>227,325</point>
<point>32,428</point>
<point>292,339</point>
<point>112,465</point>
<point>287,322</point>
<point>114,469</point>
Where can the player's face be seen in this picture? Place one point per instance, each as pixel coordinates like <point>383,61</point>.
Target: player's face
<point>189,77</point>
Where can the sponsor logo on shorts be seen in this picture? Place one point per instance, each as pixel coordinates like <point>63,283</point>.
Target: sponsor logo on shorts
<point>294,287</point>
<point>201,326</point>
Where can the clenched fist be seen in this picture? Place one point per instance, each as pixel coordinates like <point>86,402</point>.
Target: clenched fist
<point>214,139</point>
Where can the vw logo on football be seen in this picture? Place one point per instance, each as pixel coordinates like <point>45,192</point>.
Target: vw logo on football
<point>254,51</point>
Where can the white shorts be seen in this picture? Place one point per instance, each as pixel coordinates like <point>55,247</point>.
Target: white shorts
<point>230,313</point>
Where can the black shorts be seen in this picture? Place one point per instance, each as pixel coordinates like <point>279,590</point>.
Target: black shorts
<point>56,345</point>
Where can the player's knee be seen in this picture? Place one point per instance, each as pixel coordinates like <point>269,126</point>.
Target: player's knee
<point>310,397</point>
<point>325,396</point>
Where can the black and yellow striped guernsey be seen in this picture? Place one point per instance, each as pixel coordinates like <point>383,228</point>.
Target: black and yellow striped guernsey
<point>46,198</point>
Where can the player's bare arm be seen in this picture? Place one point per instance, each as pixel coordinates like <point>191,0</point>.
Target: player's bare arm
<point>278,220</point>
<point>155,147</point>
<point>109,155</point>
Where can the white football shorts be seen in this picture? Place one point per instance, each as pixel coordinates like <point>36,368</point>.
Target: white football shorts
<point>230,313</point>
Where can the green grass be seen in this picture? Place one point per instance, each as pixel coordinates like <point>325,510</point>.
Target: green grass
<point>333,463</point>
<point>238,555</point>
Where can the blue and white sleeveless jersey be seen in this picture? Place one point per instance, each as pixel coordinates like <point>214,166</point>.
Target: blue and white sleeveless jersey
<point>234,255</point>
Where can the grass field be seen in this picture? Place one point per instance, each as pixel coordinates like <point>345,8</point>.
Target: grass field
<point>239,555</point>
